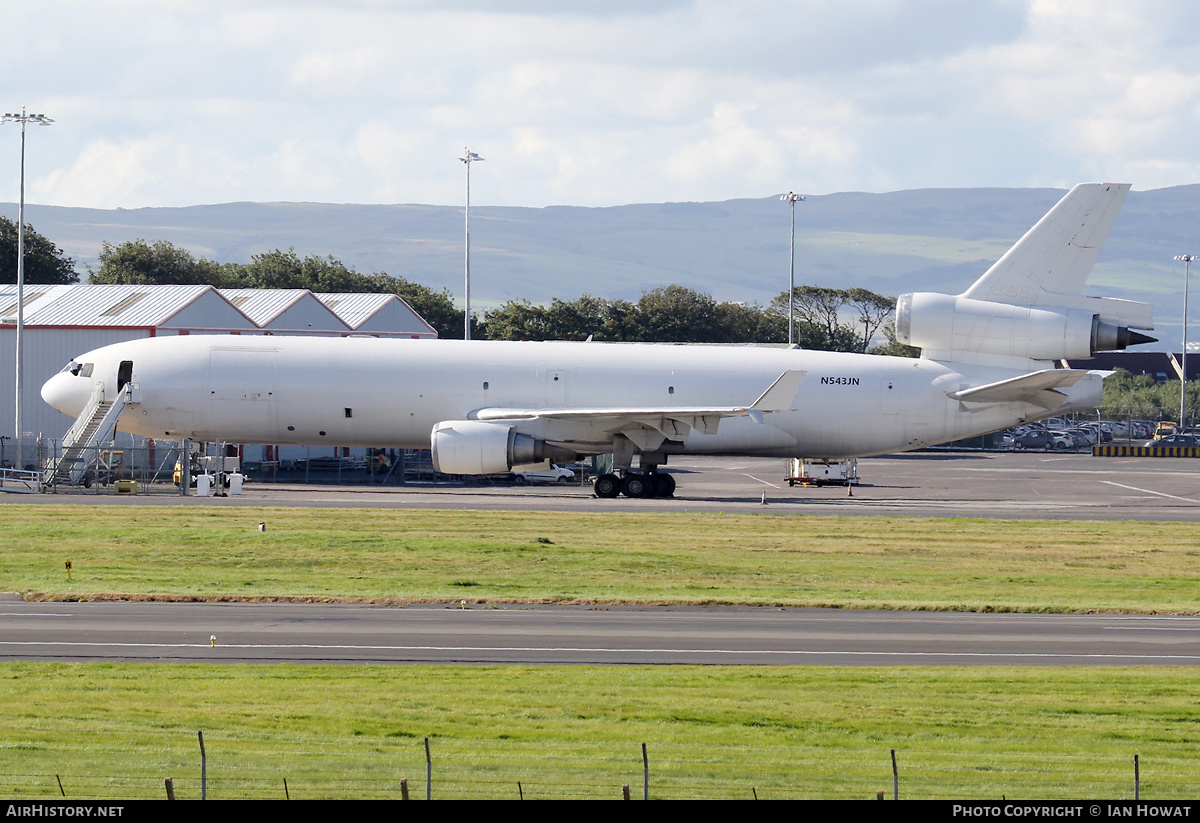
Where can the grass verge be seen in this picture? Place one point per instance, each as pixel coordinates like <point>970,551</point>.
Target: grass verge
<point>398,555</point>
<point>721,732</point>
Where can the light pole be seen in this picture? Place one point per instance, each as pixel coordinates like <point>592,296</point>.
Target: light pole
<point>23,119</point>
<point>1187,262</point>
<point>469,158</point>
<point>792,198</point>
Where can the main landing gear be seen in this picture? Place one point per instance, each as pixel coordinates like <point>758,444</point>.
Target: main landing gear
<point>635,484</point>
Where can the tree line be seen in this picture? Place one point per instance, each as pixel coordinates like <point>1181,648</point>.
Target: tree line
<point>1143,397</point>
<point>674,314</point>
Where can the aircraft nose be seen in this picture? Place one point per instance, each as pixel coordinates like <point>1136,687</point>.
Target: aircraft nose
<point>66,393</point>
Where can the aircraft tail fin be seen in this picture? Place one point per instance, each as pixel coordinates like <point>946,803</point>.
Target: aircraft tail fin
<point>1056,256</point>
<point>1028,307</point>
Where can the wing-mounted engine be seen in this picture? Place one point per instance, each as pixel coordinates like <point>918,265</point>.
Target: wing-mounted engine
<point>476,447</point>
<point>944,325</point>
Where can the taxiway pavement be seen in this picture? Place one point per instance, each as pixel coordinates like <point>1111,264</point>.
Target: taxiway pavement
<point>923,484</point>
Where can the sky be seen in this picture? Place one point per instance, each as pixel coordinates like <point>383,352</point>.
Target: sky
<point>572,102</point>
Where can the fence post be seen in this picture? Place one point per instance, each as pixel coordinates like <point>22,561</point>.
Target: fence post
<point>185,466</point>
<point>170,784</point>
<point>895,778</point>
<point>203,768</point>
<point>1137,778</point>
<point>645,774</point>
<point>428,772</point>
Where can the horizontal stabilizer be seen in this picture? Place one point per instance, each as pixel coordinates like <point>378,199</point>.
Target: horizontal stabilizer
<point>1036,388</point>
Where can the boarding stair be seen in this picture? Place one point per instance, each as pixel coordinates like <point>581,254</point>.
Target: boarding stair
<point>81,445</point>
<point>20,481</point>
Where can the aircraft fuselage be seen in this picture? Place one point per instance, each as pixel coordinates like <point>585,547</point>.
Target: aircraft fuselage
<point>391,393</point>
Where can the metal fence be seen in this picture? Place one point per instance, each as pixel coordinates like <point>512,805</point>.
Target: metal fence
<point>375,767</point>
<point>150,467</point>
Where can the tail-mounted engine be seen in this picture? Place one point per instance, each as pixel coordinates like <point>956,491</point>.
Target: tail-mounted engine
<point>942,324</point>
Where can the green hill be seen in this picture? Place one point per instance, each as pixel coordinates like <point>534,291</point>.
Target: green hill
<point>737,250</point>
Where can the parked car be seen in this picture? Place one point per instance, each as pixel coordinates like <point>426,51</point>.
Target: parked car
<point>1063,440</point>
<point>1174,440</point>
<point>1084,436</point>
<point>1164,428</point>
<point>1034,439</point>
<point>554,474</point>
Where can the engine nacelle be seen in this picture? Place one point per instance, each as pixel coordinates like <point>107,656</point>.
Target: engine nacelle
<point>939,323</point>
<point>478,447</point>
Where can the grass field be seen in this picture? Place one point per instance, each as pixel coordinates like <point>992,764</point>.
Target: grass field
<point>721,732</point>
<point>965,564</point>
<point>115,731</point>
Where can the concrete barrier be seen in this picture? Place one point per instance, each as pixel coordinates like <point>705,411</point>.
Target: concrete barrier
<point>1145,451</point>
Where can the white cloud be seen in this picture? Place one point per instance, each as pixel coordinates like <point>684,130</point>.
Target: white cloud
<point>593,103</point>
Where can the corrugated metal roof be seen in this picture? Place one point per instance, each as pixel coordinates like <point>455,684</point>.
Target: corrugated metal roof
<point>285,309</point>
<point>35,295</point>
<point>88,305</point>
<point>354,308</point>
<point>263,305</point>
<point>377,314</point>
<point>209,309</point>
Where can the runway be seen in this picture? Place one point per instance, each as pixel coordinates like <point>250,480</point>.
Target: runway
<point>574,635</point>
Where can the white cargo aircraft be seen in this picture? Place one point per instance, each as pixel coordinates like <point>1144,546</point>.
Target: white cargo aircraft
<point>987,363</point>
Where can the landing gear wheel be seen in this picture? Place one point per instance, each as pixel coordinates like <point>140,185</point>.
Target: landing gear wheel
<point>637,485</point>
<point>607,485</point>
<point>664,486</point>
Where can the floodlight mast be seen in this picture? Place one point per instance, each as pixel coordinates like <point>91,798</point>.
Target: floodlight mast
<point>23,119</point>
<point>468,158</point>
<point>1187,262</point>
<point>792,198</point>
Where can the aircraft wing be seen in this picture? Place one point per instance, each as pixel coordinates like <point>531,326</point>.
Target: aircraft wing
<point>1036,387</point>
<point>648,426</point>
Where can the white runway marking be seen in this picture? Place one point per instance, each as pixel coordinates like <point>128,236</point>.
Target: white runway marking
<point>1149,491</point>
<point>627,651</point>
<point>760,480</point>
<point>33,614</point>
